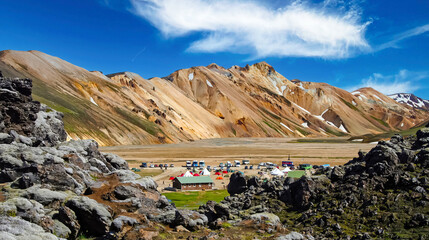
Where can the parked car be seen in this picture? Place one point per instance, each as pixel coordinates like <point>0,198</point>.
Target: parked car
<point>152,166</point>
<point>156,165</point>
<point>251,167</point>
<point>246,167</point>
<point>143,165</point>
<point>305,166</point>
<point>161,165</point>
<point>171,165</point>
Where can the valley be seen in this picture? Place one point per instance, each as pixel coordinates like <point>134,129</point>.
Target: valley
<point>256,150</point>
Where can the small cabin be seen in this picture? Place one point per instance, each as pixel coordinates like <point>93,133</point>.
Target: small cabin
<point>193,183</point>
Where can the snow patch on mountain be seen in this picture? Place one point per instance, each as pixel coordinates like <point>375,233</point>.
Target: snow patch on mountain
<point>303,109</point>
<point>410,100</point>
<point>209,83</point>
<point>284,125</point>
<point>92,100</point>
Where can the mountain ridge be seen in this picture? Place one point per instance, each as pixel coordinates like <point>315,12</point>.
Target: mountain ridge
<point>202,102</point>
<point>411,100</point>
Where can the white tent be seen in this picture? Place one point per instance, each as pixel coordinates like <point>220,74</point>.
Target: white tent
<point>205,172</point>
<point>188,174</point>
<point>277,172</point>
<point>287,169</point>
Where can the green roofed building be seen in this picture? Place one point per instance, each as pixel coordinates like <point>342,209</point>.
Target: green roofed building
<point>193,183</point>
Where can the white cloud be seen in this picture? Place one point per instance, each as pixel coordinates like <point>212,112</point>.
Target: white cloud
<point>253,27</point>
<point>402,36</point>
<point>404,81</point>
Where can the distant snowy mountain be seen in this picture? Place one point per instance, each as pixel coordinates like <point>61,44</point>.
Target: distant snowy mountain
<point>411,100</point>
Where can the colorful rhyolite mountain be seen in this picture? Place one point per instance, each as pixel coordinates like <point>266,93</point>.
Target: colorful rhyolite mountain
<point>202,102</point>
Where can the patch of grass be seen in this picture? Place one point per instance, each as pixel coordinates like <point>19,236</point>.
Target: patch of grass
<point>233,131</point>
<point>76,111</point>
<point>275,116</point>
<point>377,137</point>
<point>380,121</point>
<point>296,173</point>
<point>263,129</point>
<point>82,236</point>
<point>226,225</point>
<point>321,140</point>
<point>269,125</point>
<point>192,200</point>
<point>350,105</point>
<point>303,132</point>
<point>149,172</point>
<point>336,133</point>
<point>144,124</point>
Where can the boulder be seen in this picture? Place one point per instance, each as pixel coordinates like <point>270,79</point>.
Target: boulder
<point>93,217</point>
<point>17,228</point>
<point>116,161</point>
<point>61,230</point>
<point>265,218</point>
<point>6,138</point>
<point>69,219</point>
<point>123,192</point>
<point>44,196</point>
<point>291,236</point>
<point>122,221</point>
<point>381,153</point>
<point>26,180</point>
<point>237,184</point>
<point>29,210</point>
<point>49,127</point>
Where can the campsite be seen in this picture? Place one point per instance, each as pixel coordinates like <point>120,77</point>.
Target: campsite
<point>216,152</point>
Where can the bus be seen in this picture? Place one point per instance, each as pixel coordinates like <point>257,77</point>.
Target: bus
<point>287,164</point>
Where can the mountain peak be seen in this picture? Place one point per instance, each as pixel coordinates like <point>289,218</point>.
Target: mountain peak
<point>410,100</point>
<point>263,67</point>
<point>214,65</point>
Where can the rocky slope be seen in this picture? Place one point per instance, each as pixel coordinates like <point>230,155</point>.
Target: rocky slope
<point>202,102</point>
<point>381,194</point>
<point>53,189</point>
<point>411,100</point>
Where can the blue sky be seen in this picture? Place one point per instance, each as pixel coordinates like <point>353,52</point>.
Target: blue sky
<point>383,43</point>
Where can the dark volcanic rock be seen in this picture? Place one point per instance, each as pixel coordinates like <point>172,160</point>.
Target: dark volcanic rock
<point>50,175</point>
<point>237,183</point>
<point>369,192</point>
<point>17,110</point>
<point>68,218</point>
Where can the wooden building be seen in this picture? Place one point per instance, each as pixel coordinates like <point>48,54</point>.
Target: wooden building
<point>193,183</point>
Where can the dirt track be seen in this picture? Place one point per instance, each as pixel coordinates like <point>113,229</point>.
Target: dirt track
<point>257,150</point>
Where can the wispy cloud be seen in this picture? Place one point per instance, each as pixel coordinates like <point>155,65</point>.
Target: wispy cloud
<point>402,36</point>
<point>253,27</point>
<point>404,81</point>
